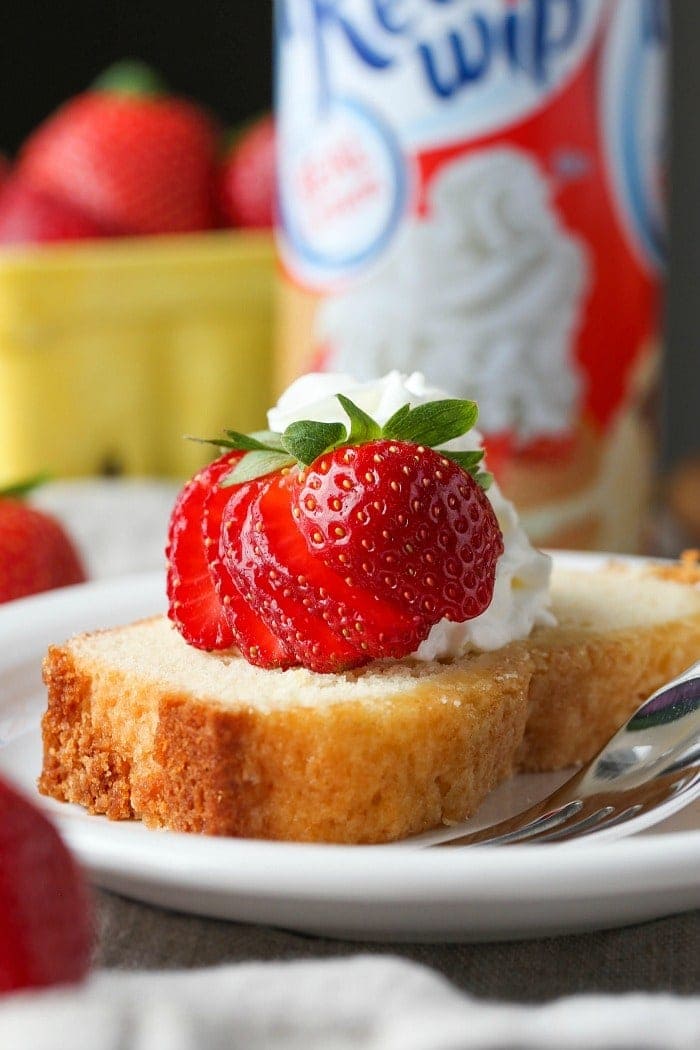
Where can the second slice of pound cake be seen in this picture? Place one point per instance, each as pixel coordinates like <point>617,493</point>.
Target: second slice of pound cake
<point>621,634</point>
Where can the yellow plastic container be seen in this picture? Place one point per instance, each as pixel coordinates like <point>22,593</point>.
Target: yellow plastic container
<point>111,351</point>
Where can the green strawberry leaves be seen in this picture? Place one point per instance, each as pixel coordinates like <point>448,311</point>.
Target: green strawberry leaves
<point>307,440</point>
<point>267,439</point>
<point>256,464</point>
<point>362,427</point>
<point>432,424</point>
<point>19,489</point>
<point>469,462</point>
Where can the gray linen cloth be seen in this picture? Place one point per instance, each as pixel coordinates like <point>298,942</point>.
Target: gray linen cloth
<point>659,956</point>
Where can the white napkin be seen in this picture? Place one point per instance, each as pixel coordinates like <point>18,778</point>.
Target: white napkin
<point>359,1003</point>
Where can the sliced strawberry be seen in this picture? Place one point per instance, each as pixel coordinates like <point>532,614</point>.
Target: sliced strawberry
<point>194,605</point>
<point>405,521</point>
<point>351,559</point>
<point>500,449</point>
<point>255,567</point>
<point>376,627</point>
<point>251,634</point>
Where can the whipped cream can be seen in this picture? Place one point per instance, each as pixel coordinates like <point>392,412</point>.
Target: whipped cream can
<point>474,189</point>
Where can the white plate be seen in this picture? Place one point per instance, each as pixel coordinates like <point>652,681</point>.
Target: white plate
<point>390,893</point>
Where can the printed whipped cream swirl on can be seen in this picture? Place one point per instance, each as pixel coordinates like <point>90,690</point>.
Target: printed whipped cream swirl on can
<point>474,189</point>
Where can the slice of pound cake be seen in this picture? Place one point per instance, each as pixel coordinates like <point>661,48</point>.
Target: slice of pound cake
<point>360,642</point>
<point>140,725</point>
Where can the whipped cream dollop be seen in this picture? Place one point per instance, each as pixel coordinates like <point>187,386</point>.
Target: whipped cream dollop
<point>521,592</point>
<point>484,292</point>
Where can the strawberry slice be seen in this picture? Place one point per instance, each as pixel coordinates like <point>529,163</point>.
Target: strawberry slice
<point>405,521</point>
<point>255,568</point>
<point>227,508</point>
<point>194,605</point>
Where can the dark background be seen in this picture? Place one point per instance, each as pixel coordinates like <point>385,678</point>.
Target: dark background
<point>220,53</point>
<point>217,51</point>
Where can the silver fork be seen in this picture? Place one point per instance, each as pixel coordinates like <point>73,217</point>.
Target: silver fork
<point>647,771</point>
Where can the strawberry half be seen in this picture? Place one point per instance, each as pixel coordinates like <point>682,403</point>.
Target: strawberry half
<point>404,521</point>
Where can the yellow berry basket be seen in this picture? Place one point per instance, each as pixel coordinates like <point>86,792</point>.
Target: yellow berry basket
<point>111,351</point>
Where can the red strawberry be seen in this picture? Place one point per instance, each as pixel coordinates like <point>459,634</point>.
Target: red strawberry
<point>248,177</point>
<point>136,160</point>
<point>5,169</point>
<point>352,558</point>
<point>332,608</point>
<point>36,553</point>
<point>46,921</point>
<point>404,521</point>
<point>194,605</point>
<point>29,216</point>
<point>225,511</point>
<point>277,596</point>
<point>203,601</point>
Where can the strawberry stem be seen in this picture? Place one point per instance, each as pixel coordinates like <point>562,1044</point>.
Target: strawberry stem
<point>18,489</point>
<point>130,77</point>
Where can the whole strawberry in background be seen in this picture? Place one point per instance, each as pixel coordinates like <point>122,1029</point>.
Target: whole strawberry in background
<point>46,925</point>
<point>29,216</point>
<point>36,553</point>
<point>133,158</point>
<point>248,177</point>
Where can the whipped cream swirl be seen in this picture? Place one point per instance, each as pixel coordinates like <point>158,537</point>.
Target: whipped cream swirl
<point>521,592</point>
<point>484,293</point>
